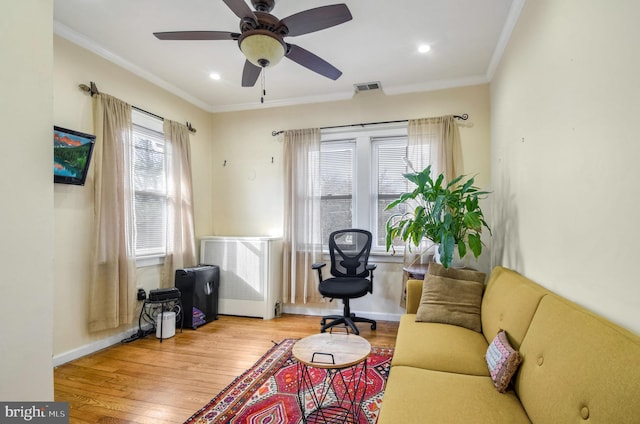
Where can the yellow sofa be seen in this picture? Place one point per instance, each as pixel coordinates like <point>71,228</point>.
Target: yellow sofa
<point>577,367</point>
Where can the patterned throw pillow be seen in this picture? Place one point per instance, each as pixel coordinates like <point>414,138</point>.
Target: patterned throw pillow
<point>503,361</point>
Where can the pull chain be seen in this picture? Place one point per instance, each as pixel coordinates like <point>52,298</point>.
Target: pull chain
<point>263,83</point>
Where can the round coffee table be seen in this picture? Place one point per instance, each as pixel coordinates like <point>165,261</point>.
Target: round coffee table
<point>332,371</point>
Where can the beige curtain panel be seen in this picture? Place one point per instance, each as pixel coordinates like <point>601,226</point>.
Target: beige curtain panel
<point>435,142</point>
<point>112,285</point>
<point>181,247</point>
<point>302,232</point>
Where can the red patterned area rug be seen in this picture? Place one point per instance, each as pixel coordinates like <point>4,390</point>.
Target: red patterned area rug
<point>266,393</point>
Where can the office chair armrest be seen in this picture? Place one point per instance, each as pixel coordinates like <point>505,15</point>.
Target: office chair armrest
<point>318,266</point>
<point>370,268</point>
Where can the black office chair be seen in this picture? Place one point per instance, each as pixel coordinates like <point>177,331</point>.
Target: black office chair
<point>352,275</point>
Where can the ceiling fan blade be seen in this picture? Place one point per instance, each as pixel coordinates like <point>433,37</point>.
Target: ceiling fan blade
<point>196,35</point>
<point>316,19</point>
<point>250,74</point>
<point>240,8</point>
<point>311,61</point>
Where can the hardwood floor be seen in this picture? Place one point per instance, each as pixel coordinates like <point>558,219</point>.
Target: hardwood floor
<point>146,381</point>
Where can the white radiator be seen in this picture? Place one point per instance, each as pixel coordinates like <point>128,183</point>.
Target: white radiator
<point>250,274</point>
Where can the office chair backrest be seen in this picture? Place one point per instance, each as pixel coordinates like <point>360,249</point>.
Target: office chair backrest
<point>349,250</point>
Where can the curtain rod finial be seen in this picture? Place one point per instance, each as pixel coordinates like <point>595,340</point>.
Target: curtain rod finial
<point>91,89</point>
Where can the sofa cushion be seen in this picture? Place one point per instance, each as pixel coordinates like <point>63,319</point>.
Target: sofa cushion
<point>450,301</point>
<point>508,303</point>
<point>439,347</point>
<point>578,367</point>
<point>418,396</point>
<point>502,360</point>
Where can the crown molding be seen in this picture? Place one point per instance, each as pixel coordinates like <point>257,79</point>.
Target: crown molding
<point>391,91</point>
<point>505,35</point>
<point>436,85</point>
<point>293,101</point>
<point>89,44</point>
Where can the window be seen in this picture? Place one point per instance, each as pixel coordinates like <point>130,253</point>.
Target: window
<point>150,185</point>
<point>336,185</point>
<point>388,164</point>
<point>361,173</point>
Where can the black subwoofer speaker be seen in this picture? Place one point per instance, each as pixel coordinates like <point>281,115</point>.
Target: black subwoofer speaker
<point>199,287</point>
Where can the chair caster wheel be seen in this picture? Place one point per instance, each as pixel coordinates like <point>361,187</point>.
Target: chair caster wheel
<point>373,326</point>
<point>322,322</point>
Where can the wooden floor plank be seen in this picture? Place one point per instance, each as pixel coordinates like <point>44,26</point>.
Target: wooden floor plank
<point>146,381</point>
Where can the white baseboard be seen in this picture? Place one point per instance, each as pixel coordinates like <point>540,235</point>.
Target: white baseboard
<point>90,348</point>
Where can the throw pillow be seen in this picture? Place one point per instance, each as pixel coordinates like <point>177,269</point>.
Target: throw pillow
<point>456,273</point>
<point>503,361</point>
<point>451,301</point>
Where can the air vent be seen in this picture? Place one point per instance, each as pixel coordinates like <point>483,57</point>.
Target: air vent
<point>367,86</point>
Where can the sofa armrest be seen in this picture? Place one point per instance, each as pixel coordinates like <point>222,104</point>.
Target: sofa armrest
<point>414,294</point>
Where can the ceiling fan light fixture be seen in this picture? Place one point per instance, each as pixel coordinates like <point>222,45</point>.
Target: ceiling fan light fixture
<point>261,37</point>
<point>262,48</point>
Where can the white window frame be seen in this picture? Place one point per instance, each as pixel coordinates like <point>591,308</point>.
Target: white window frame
<point>155,125</point>
<point>365,181</point>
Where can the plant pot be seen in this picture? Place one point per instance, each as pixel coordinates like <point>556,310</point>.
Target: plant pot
<point>456,261</point>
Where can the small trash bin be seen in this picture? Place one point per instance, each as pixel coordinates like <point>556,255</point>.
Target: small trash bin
<point>166,325</point>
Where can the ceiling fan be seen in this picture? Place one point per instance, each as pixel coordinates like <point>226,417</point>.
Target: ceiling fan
<point>261,37</point>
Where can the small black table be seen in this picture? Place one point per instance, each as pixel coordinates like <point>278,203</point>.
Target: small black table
<point>152,308</point>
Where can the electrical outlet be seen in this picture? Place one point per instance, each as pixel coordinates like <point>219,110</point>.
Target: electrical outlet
<point>142,295</point>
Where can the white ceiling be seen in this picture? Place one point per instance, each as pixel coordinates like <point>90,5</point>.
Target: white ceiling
<point>379,44</point>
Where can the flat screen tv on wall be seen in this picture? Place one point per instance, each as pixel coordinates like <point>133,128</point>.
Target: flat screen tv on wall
<point>71,155</point>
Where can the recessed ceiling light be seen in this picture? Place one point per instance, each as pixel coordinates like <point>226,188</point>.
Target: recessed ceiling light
<point>424,48</point>
<point>214,76</point>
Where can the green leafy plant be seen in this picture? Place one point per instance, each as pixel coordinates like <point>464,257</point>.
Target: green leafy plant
<point>447,214</point>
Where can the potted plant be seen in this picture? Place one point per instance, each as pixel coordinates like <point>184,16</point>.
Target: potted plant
<point>447,214</point>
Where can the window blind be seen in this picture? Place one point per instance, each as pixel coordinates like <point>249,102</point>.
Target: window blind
<point>336,186</point>
<point>150,186</point>
<point>389,164</point>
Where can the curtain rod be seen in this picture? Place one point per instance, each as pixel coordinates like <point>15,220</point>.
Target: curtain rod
<point>463,117</point>
<point>92,89</point>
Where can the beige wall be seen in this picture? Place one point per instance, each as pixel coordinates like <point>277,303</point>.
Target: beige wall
<point>74,205</point>
<point>26,216</point>
<point>248,191</point>
<point>565,152</point>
